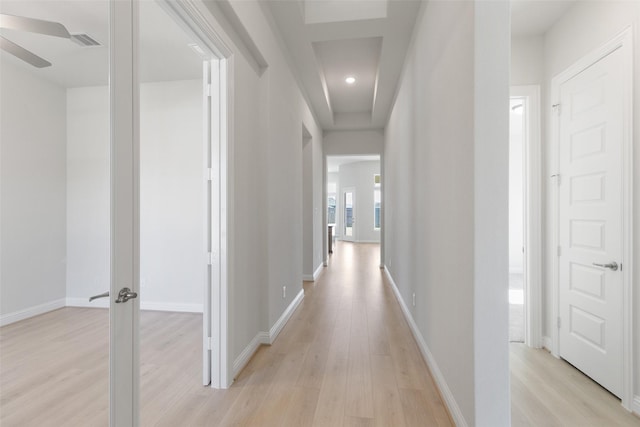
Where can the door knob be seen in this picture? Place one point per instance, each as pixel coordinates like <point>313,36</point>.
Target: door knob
<point>612,265</point>
<point>104,295</point>
<point>125,295</point>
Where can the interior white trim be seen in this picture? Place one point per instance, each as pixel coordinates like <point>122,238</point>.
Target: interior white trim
<point>145,306</point>
<point>198,20</point>
<point>248,352</point>
<point>277,327</point>
<point>636,405</point>
<point>26,313</point>
<point>313,277</point>
<point>624,42</point>
<point>532,214</point>
<point>441,383</point>
<point>266,338</point>
<point>546,342</point>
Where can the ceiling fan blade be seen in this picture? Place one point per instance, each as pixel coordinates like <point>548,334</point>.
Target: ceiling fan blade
<point>22,53</point>
<point>32,25</point>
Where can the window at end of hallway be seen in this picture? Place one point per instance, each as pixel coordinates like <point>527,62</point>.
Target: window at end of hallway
<point>377,198</point>
<point>331,203</point>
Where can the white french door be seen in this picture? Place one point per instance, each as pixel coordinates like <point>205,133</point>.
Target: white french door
<point>124,305</point>
<point>349,214</point>
<point>125,212</point>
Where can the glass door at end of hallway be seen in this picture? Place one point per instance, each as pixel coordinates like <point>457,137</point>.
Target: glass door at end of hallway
<point>349,214</point>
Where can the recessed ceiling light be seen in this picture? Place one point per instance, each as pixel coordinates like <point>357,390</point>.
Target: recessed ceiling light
<point>350,80</point>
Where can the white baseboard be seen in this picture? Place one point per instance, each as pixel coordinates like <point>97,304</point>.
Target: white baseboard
<point>277,327</point>
<point>266,338</point>
<point>163,306</point>
<point>449,400</point>
<point>16,316</point>
<point>636,405</point>
<point>153,306</point>
<point>546,343</point>
<point>314,277</point>
<point>248,352</point>
<point>367,241</point>
<point>84,302</point>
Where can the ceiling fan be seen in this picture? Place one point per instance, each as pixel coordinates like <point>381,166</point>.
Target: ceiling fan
<point>30,25</point>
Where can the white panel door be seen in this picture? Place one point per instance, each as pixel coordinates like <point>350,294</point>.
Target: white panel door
<point>349,214</point>
<point>590,221</point>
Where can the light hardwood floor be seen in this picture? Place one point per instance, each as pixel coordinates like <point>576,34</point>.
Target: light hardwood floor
<point>546,391</point>
<point>345,358</point>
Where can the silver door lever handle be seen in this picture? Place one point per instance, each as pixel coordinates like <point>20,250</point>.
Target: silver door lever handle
<point>104,295</point>
<point>125,295</point>
<point>612,265</point>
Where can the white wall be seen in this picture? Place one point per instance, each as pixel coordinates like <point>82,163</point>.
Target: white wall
<point>346,143</point>
<point>172,205</point>
<point>173,262</point>
<point>269,114</point>
<point>445,182</point>
<point>248,244</point>
<point>585,27</point>
<point>359,176</point>
<point>32,194</point>
<point>527,60</point>
<point>88,197</point>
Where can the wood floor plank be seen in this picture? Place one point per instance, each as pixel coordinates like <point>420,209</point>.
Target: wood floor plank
<point>388,409</point>
<point>331,399</point>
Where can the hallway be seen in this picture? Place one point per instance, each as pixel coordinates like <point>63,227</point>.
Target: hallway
<point>346,357</point>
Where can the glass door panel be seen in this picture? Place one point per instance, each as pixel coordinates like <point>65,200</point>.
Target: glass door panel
<point>55,202</point>
<point>174,216</point>
<point>349,218</point>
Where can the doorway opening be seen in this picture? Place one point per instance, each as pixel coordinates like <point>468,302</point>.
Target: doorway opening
<point>525,251</point>
<point>353,201</point>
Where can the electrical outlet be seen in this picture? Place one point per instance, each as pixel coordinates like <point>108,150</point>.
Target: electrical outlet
<point>284,292</point>
<point>414,299</point>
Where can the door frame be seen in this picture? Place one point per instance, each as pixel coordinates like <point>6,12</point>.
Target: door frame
<point>532,223</point>
<point>622,41</point>
<point>346,190</point>
<point>198,21</point>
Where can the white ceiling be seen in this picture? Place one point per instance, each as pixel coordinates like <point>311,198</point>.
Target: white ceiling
<point>332,39</point>
<point>354,57</point>
<point>323,11</point>
<point>334,162</point>
<point>327,40</point>
<point>536,17</point>
<point>164,50</point>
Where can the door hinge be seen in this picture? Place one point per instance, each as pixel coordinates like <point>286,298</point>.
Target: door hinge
<point>557,177</point>
<point>210,258</point>
<point>209,90</point>
<point>209,343</point>
<point>209,174</point>
<point>559,322</point>
<point>559,250</point>
<point>556,108</point>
